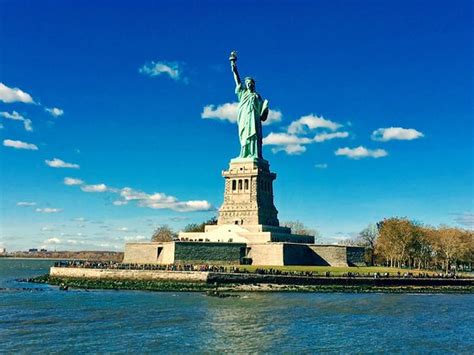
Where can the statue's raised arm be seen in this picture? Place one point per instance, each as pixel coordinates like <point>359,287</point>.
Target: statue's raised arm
<point>233,66</point>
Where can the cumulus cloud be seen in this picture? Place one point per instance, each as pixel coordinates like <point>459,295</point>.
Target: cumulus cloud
<point>54,111</point>
<point>9,95</point>
<point>48,210</point>
<point>12,116</point>
<point>172,69</point>
<point>19,144</point>
<point>17,117</point>
<point>311,122</point>
<point>24,203</point>
<point>163,201</point>
<point>72,181</point>
<point>120,203</point>
<point>289,143</point>
<point>290,149</point>
<point>58,163</point>
<point>320,166</point>
<point>361,152</point>
<point>328,136</point>
<point>396,133</point>
<point>94,188</point>
<point>228,111</point>
<point>284,139</point>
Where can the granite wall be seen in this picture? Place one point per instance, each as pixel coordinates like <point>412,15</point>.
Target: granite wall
<point>209,253</point>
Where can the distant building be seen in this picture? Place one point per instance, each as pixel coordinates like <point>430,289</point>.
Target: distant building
<point>32,250</point>
<point>3,250</point>
<point>43,250</point>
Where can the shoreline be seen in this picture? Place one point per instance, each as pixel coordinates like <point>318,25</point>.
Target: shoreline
<point>217,284</point>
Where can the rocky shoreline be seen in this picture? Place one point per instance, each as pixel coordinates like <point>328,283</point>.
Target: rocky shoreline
<point>216,287</point>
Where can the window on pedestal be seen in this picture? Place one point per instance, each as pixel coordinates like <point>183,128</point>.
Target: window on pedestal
<point>240,185</point>
<point>246,184</point>
<point>234,185</point>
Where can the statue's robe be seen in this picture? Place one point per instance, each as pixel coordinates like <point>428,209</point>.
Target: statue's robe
<point>248,119</point>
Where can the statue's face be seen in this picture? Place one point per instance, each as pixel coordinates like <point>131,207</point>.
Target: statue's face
<point>250,85</point>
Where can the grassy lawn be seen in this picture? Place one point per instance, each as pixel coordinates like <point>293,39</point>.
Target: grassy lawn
<point>336,271</point>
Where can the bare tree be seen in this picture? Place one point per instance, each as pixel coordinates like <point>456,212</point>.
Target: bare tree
<point>163,234</point>
<point>297,227</point>
<point>367,238</point>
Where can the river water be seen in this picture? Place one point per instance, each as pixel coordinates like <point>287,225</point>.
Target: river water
<point>42,318</point>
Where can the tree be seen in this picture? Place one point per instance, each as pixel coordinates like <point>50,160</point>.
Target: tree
<point>199,227</point>
<point>297,227</point>
<point>396,241</point>
<point>163,234</point>
<point>448,243</point>
<point>367,238</point>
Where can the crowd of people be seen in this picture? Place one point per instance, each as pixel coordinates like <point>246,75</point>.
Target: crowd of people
<point>236,269</point>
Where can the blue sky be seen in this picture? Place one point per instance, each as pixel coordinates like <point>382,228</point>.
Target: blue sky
<point>133,102</point>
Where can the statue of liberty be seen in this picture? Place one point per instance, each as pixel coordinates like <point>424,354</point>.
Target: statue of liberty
<point>251,112</point>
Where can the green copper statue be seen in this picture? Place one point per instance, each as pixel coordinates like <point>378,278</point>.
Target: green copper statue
<point>251,112</point>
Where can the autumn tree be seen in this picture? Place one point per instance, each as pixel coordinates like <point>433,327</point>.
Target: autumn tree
<point>449,244</point>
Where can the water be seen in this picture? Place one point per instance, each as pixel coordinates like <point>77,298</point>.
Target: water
<point>42,318</point>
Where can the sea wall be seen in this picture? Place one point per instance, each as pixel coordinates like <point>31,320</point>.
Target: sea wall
<point>114,274</point>
<point>243,278</point>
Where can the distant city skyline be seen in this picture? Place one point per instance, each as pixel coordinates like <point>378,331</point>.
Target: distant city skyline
<point>107,113</point>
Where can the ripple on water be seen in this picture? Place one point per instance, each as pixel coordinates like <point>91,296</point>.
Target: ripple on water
<point>110,321</point>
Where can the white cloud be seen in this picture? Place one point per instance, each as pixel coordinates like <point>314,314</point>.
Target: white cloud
<point>122,229</point>
<point>9,95</point>
<point>119,203</point>
<point>17,117</point>
<point>290,149</point>
<point>361,152</point>
<point>54,111</point>
<point>289,143</point>
<point>311,122</point>
<point>48,210</point>
<point>12,116</point>
<point>284,139</point>
<point>228,111</point>
<point>28,125</point>
<point>72,181</point>
<point>58,163</point>
<point>172,69</point>
<point>396,133</point>
<point>320,166</point>
<point>23,203</point>
<point>52,241</point>
<point>163,201</point>
<point>328,136</point>
<point>19,145</point>
<point>94,188</point>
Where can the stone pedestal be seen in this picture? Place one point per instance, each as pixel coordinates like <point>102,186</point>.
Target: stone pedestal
<point>248,194</point>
